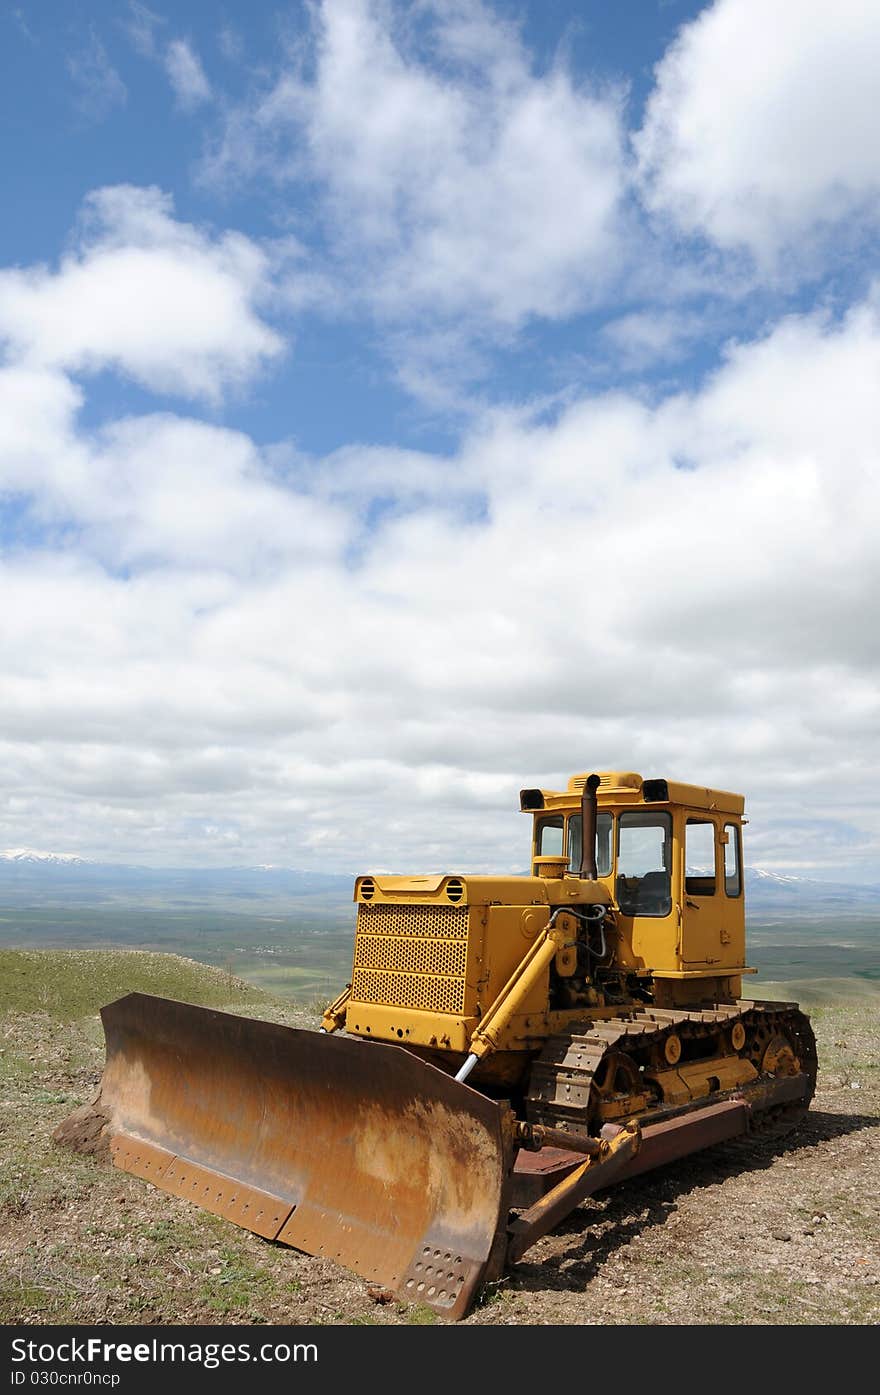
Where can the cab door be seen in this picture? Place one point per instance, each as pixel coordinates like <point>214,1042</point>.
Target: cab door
<point>645,886</point>
<point>731,895</point>
<point>701,906</point>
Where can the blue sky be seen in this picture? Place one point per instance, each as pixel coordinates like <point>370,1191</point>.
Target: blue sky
<point>405,403</point>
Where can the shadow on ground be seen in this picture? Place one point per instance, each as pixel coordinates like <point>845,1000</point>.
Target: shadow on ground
<point>632,1207</point>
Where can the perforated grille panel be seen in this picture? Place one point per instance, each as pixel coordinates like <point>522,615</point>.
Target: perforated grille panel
<point>411,957</point>
<point>427,922</point>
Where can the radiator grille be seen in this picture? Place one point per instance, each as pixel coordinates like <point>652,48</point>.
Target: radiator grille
<point>411,957</point>
<point>427,922</point>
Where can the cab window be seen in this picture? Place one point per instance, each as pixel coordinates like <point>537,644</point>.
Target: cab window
<point>603,843</point>
<point>699,857</point>
<point>548,837</point>
<point>732,861</point>
<point>644,863</point>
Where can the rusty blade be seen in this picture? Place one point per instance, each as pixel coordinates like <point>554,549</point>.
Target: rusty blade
<point>353,1150</point>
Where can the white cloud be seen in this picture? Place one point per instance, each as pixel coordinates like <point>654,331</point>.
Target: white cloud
<point>158,300</point>
<point>215,656</point>
<point>154,491</point>
<point>211,650</point>
<point>457,183</point>
<point>763,131</point>
<point>141,25</point>
<point>186,75</point>
<point>643,338</point>
<point>230,43</point>
<point>99,88</point>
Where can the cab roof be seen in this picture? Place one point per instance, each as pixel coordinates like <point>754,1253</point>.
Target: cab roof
<point>618,787</point>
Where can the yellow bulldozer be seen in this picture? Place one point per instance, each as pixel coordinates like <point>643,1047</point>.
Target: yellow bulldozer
<point>507,1046</point>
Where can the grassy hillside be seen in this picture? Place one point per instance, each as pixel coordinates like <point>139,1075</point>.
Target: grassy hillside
<point>296,955</point>
<point>71,984</point>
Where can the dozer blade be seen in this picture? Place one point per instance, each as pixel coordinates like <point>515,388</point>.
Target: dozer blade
<point>352,1150</point>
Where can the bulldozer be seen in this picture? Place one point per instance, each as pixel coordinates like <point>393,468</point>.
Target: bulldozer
<point>507,1047</point>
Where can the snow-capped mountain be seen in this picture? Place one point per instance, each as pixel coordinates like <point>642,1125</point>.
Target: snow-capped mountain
<point>761,874</point>
<point>33,857</point>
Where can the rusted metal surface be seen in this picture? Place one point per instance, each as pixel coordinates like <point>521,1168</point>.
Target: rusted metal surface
<point>537,1137</point>
<point>662,1142</point>
<point>250,1207</point>
<point>787,1091</point>
<point>356,1151</point>
<point>145,1160</point>
<point>590,1177</point>
<point>665,1141</point>
<point>687,1133</point>
<point>534,1174</point>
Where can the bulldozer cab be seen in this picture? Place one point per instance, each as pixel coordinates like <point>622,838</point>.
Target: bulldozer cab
<point>670,855</point>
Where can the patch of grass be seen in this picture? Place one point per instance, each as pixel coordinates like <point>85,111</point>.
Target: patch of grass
<point>162,1235</point>
<point>496,1292</point>
<point>235,1285</point>
<point>15,1298</point>
<point>421,1316</point>
<point>33,1173</point>
<point>72,983</point>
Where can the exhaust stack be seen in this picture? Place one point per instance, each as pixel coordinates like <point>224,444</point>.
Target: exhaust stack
<point>588,829</point>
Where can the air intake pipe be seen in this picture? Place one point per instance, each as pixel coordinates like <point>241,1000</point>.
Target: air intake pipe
<point>588,829</point>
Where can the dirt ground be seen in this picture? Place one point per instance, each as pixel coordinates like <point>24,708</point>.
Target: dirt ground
<point>766,1234</point>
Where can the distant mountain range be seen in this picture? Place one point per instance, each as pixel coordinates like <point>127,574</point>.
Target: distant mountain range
<point>768,892</point>
<point>30,876</point>
<point>29,857</point>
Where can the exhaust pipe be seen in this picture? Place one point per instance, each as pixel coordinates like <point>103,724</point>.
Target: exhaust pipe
<point>588,829</point>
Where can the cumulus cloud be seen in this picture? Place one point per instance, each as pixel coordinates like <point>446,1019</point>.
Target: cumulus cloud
<point>186,75</point>
<point>455,182</point>
<point>155,490</point>
<point>247,655</point>
<point>763,129</point>
<point>160,301</point>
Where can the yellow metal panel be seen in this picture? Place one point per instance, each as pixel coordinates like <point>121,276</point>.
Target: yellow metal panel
<point>698,797</point>
<point>506,941</point>
<point>625,788</point>
<point>608,780</point>
<point>706,971</point>
<point>449,889</point>
<point>410,1026</point>
<point>414,886</point>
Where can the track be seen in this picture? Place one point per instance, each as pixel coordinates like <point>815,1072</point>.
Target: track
<point>581,1081</point>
